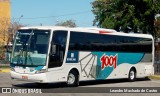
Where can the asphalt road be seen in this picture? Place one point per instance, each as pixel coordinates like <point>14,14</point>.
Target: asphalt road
<point>89,88</point>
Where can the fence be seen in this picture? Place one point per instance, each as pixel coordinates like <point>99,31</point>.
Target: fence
<point>4,63</point>
<point>157,63</point>
<point>157,69</point>
<point>4,60</point>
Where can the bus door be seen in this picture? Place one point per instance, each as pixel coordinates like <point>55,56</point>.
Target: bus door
<point>58,47</point>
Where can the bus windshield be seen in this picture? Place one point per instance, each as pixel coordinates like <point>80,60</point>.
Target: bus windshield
<point>30,47</point>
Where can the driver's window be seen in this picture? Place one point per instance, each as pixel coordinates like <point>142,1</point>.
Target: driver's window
<point>58,47</point>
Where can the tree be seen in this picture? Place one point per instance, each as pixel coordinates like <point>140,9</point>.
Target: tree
<point>7,31</point>
<point>13,29</point>
<point>126,15</point>
<point>4,34</point>
<point>157,27</point>
<point>67,23</point>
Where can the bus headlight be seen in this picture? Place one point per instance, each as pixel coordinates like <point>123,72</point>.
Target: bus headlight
<point>41,71</point>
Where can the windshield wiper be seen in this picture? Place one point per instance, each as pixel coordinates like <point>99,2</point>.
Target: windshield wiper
<point>28,49</point>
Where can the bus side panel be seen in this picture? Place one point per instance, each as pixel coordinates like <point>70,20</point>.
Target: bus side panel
<point>108,65</point>
<point>56,75</point>
<point>60,74</point>
<point>90,65</point>
<point>84,62</point>
<point>120,72</point>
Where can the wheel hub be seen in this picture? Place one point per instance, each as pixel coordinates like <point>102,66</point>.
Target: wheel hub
<point>71,79</point>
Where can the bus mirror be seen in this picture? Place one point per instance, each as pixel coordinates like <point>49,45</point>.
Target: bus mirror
<point>53,51</point>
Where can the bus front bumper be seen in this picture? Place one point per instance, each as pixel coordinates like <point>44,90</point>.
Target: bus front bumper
<point>40,78</point>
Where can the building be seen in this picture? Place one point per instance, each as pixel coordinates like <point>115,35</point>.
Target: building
<point>5,16</point>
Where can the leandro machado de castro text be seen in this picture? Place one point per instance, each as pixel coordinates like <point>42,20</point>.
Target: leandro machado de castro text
<point>134,90</point>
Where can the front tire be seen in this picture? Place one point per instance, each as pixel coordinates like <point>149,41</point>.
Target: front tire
<point>132,75</point>
<point>72,79</point>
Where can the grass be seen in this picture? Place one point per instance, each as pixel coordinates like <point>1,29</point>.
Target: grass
<point>156,77</point>
<point>5,70</point>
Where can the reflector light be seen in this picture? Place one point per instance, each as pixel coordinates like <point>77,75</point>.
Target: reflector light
<point>104,32</point>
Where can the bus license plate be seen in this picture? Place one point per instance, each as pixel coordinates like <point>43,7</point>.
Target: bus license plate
<point>25,77</point>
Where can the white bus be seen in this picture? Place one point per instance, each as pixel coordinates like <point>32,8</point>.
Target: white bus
<point>61,54</point>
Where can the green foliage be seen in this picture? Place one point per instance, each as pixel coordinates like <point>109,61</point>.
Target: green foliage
<point>126,15</point>
<point>67,23</point>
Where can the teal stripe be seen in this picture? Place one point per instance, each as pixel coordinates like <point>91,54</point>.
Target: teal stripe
<point>129,58</point>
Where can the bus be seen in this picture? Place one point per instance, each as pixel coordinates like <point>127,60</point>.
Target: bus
<point>52,54</point>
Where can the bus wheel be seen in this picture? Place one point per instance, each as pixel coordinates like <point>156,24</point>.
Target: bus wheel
<point>72,79</point>
<point>132,75</point>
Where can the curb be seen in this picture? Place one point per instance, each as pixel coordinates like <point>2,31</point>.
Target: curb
<point>5,70</point>
<point>155,77</point>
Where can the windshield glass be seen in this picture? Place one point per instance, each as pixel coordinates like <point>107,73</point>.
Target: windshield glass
<point>30,47</point>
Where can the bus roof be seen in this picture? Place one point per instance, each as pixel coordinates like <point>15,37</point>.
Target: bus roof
<point>89,30</point>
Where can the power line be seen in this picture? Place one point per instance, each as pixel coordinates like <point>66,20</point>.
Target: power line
<point>76,13</point>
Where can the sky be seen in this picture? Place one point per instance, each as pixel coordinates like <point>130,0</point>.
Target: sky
<point>50,12</point>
